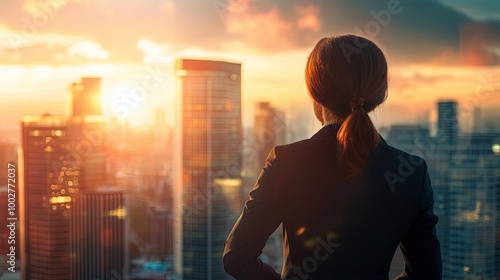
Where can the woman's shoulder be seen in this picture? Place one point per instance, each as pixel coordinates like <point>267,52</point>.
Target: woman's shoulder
<point>393,162</point>
<point>304,147</point>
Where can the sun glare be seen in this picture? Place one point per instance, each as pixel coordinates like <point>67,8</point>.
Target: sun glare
<point>126,104</point>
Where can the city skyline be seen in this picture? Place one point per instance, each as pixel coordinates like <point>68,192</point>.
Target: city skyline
<point>136,129</point>
<point>202,89</point>
<point>459,59</point>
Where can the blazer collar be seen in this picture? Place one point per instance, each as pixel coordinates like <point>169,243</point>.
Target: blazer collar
<point>332,129</point>
<point>328,130</point>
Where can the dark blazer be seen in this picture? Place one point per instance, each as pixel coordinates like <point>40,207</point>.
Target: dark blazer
<point>336,227</point>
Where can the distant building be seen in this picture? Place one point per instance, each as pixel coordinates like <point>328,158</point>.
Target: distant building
<point>99,228</point>
<point>60,157</point>
<point>161,238</point>
<point>207,165</point>
<point>8,154</point>
<point>409,138</point>
<point>269,130</point>
<point>465,175</point>
<point>473,228</point>
<point>447,122</point>
<point>86,97</point>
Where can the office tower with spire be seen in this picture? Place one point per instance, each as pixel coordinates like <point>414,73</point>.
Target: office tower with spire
<point>207,165</point>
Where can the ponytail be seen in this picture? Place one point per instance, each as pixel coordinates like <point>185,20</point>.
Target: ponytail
<point>357,137</point>
<point>349,85</point>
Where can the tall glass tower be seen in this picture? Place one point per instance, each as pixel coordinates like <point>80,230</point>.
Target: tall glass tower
<point>207,170</point>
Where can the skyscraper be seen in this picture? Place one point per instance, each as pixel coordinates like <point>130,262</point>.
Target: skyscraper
<point>86,97</point>
<point>268,131</point>
<point>60,157</point>
<point>207,166</point>
<point>473,228</point>
<point>447,122</point>
<point>439,155</point>
<point>99,227</point>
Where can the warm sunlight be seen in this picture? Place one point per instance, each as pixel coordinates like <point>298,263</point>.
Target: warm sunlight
<point>176,116</point>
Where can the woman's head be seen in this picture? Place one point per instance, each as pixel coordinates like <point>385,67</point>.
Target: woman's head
<point>347,78</point>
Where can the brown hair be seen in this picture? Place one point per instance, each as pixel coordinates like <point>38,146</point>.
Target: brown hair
<point>348,76</point>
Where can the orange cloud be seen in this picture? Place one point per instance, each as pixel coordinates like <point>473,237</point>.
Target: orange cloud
<point>308,18</point>
<point>258,28</point>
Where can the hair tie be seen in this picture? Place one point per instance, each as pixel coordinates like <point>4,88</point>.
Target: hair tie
<point>357,103</point>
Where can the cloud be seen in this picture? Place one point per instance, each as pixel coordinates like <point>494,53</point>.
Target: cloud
<point>424,31</point>
<point>43,8</point>
<point>308,18</point>
<point>421,31</point>
<point>15,40</point>
<point>155,52</point>
<point>89,50</point>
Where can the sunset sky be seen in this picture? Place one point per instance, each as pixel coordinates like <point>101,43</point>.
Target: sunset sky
<point>436,49</point>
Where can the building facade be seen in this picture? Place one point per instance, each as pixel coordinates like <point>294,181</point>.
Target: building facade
<point>61,156</point>
<point>465,175</point>
<point>98,235</point>
<point>86,97</point>
<point>207,165</point>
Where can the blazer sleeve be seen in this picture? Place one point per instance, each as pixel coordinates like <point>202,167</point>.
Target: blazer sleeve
<point>420,247</point>
<point>259,220</point>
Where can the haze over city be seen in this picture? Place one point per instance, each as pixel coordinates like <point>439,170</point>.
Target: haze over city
<point>93,94</point>
<point>436,49</point>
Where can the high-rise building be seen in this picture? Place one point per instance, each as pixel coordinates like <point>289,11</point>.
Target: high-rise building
<point>86,97</point>
<point>409,138</point>
<point>160,221</point>
<point>447,122</point>
<point>465,175</point>
<point>439,156</point>
<point>207,165</point>
<point>478,125</point>
<point>60,157</point>
<point>473,226</point>
<point>268,131</point>
<point>98,236</point>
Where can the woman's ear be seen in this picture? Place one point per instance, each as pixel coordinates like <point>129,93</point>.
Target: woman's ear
<point>318,112</point>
